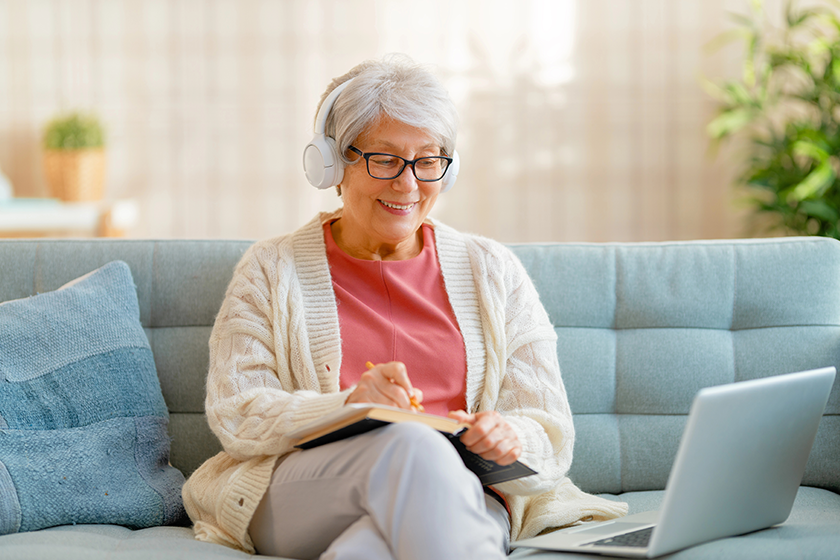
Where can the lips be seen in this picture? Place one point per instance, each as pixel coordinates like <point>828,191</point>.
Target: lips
<point>401,207</point>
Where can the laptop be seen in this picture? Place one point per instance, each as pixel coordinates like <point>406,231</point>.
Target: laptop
<point>738,467</point>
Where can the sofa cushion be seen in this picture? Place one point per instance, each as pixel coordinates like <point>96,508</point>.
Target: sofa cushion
<point>82,419</point>
<point>107,542</point>
<point>811,531</point>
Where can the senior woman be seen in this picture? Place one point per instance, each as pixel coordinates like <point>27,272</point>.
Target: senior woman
<point>448,318</point>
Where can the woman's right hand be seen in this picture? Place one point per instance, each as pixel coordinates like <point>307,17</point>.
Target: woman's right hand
<point>386,384</point>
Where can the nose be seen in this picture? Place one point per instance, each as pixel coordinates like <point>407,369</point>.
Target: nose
<point>405,181</point>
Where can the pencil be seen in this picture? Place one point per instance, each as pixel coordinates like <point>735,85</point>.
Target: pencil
<point>414,404</point>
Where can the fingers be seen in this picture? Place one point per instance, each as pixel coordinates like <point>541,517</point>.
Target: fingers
<point>397,374</point>
<point>490,436</point>
<point>462,416</point>
<point>384,384</point>
<point>416,398</point>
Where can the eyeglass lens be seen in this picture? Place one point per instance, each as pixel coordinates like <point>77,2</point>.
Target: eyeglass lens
<point>383,166</point>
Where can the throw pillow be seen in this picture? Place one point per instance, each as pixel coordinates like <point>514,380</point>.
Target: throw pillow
<point>82,419</point>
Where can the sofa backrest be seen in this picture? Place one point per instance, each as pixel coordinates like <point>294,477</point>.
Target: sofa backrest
<point>641,328</point>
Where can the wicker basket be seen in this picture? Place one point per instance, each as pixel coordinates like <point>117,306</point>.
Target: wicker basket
<point>75,175</point>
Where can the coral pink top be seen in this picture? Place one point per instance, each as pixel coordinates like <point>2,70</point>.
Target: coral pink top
<point>400,311</point>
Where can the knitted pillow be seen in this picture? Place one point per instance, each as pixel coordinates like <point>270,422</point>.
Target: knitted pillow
<point>82,419</point>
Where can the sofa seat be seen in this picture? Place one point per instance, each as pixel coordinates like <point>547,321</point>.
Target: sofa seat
<point>105,542</point>
<point>811,532</point>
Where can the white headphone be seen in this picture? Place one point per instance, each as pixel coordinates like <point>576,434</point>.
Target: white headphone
<point>324,167</point>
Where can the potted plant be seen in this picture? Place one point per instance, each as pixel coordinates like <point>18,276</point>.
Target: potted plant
<point>784,113</point>
<point>74,157</point>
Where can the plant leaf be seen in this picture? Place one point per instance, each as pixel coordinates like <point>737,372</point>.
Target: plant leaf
<point>729,122</point>
<point>819,209</point>
<point>725,38</point>
<point>740,19</point>
<point>73,131</point>
<point>816,183</point>
<point>739,93</point>
<point>811,150</point>
<point>835,69</point>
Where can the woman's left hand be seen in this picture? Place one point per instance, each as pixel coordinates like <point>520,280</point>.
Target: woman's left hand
<point>489,436</point>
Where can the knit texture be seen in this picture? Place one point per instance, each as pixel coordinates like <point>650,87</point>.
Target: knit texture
<point>82,419</point>
<point>275,357</point>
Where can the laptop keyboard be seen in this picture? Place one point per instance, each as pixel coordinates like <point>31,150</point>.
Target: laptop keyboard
<point>633,539</point>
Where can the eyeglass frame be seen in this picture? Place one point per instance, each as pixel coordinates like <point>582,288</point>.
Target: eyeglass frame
<point>406,163</point>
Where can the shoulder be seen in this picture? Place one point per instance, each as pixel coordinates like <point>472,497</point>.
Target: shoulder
<point>273,263</point>
<point>470,241</point>
<point>303,243</point>
<point>495,270</point>
<point>264,258</point>
<point>485,252</point>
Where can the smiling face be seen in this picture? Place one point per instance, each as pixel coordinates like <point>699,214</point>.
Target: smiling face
<point>381,218</point>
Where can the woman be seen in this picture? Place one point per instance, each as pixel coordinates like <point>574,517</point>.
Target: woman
<point>378,281</point>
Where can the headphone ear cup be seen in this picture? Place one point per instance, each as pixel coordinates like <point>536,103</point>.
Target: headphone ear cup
<point>451,172</point>
<point>321,164</point>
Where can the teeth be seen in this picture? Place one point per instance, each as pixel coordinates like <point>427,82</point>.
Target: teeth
<point>397,206</point>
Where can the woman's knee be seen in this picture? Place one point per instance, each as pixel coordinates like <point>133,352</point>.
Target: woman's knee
<point>412,432</point>
<point>422,449</point>
<point>414,436</point>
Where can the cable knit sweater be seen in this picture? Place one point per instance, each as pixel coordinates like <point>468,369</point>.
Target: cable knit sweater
<point>275,357</point>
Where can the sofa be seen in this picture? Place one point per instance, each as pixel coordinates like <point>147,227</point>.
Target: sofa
<point>641,328</point>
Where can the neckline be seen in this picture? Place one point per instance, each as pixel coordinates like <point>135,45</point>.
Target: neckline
<point>333,248</point>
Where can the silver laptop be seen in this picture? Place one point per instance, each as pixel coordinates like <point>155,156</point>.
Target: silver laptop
<point>738,467</point>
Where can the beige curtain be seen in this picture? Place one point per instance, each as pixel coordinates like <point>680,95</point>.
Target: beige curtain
<point>581,120</point>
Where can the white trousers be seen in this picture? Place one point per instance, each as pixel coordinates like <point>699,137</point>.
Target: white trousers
<point>400,492</point>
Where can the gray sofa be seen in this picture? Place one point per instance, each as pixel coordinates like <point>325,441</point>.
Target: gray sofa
<point>641,328</point>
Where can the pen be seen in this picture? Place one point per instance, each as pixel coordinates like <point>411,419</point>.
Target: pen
<point>414,404</point>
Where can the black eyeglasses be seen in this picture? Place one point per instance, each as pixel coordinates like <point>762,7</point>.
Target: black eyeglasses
<point>388,166</point>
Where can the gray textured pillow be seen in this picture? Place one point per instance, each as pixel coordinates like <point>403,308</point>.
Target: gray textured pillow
<point>82,419</point>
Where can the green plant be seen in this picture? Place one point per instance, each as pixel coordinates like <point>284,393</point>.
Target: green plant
<point>784,110</point>
<point>74,131</point>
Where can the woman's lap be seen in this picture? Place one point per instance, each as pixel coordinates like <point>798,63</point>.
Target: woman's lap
<point>406,477</point>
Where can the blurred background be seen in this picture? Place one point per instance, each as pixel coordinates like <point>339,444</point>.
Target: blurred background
<point>581,120</point>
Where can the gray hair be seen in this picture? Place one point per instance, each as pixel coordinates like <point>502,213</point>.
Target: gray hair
<point>396,87</point>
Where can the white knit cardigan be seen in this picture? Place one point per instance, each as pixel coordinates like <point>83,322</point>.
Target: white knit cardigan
<point>275,357</point>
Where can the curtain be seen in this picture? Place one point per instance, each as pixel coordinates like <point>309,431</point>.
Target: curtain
<point>581,120</point>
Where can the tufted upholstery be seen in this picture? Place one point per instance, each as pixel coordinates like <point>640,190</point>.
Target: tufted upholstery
<point>641,327</point>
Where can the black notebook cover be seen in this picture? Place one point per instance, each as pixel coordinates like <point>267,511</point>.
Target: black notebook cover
<point>488,472</point>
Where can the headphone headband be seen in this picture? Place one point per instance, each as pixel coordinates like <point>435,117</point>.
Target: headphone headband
<point>326,107</point>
